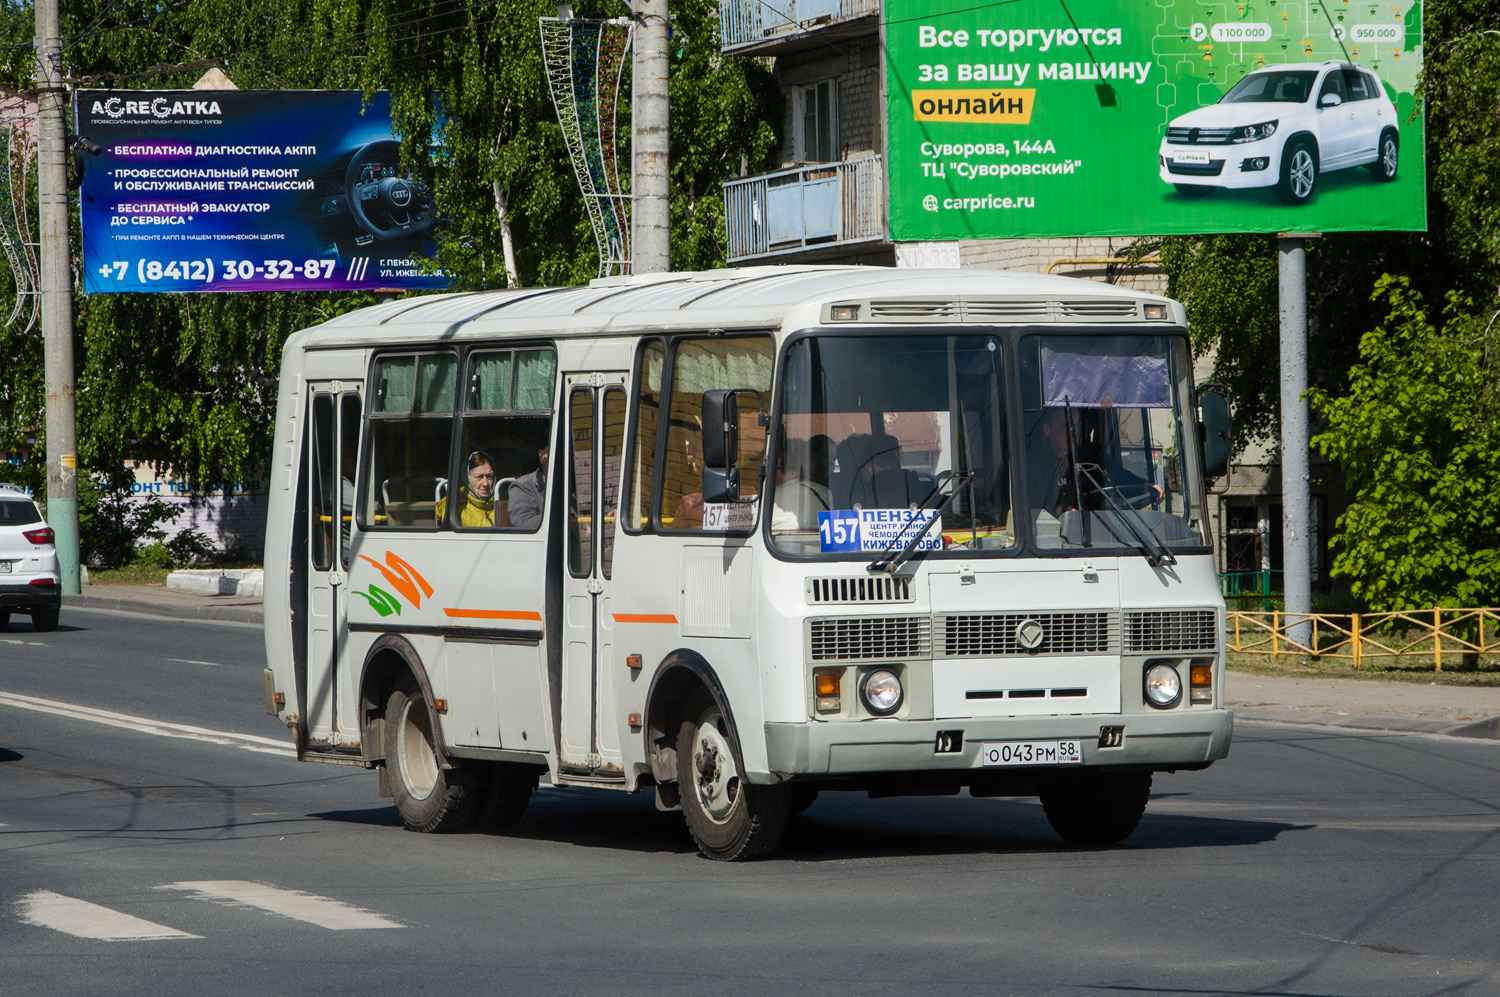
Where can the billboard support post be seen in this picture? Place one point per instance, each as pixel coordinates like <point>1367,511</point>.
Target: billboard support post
<point>57,295</point>
<point>1296,503</point>
<point>650,216</point>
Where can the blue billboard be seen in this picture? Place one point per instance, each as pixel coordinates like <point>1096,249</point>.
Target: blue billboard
<point>248,190</point>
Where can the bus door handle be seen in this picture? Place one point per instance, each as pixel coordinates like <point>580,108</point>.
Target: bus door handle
<point>595,586</point>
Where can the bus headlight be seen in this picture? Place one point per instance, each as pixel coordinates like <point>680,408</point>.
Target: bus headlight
<point>881,692</point>
<point>1163,686</point>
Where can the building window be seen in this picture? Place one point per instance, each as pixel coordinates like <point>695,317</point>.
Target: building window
<point>820,122</point>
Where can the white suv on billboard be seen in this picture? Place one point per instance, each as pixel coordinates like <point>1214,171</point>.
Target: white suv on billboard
<point>1282,126</point>
<point>29,581</point>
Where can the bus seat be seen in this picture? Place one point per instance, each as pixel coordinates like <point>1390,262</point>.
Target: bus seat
<point>407,501</point>
<point>502,502</point>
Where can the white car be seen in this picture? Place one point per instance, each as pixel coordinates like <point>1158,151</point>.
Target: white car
<point>1282,126</point>
<point>29,581</point>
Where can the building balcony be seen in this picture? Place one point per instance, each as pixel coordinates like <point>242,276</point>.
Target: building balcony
<point>776,27</point>
<point>809,210</point>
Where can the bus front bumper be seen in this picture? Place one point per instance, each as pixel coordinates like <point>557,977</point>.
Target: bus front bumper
<point>1186,739</point>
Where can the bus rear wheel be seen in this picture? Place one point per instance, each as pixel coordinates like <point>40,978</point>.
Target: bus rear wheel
<point>1096,808</point>
<point>428,796</point>
<point>730,819</point>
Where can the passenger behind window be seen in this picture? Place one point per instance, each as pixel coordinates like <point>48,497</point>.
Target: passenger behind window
<point>478,496</point>
<point>528,495</point>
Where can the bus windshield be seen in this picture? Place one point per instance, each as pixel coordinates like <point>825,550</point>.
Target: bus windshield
<point>876,426</point>
<point>1108,450</point>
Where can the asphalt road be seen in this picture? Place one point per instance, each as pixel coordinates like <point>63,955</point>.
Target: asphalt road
<point>1312,861</point>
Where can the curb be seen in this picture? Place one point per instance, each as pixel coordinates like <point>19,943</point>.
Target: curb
<point>1483,729</point>
<point>201,609</point>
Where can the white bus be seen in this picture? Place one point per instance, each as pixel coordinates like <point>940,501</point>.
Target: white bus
<point>744,536</point>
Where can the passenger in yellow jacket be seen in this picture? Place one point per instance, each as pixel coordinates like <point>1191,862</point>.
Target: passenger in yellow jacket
<point>479,497</point>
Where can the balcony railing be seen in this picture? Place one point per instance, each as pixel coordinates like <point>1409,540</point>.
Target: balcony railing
<point>829,205</point>
<point>766,23</point>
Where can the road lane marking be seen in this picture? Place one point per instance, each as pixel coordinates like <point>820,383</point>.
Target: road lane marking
<point>322,911</point>
<point>190,661</point>
<point>160,728</point>
<point>46,909</point>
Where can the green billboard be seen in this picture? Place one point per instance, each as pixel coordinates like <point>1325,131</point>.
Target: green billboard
<point>1127,117</point>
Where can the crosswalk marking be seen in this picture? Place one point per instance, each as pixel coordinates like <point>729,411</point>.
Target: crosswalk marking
<point>322,911</point>
<point>85,920</point>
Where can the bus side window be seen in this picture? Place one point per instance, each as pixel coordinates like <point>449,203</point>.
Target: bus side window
<point>700,365</point>
<point>508,418</point>
<point>411,432</point>
<point>641,481</point>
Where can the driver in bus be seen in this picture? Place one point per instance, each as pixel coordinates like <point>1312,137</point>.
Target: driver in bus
<point>479,495</point>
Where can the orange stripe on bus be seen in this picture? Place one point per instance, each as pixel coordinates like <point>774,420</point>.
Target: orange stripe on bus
<point>493,614</point>
<point>645,618</point>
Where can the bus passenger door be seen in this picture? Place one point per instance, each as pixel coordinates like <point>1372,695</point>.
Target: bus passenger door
<point>595,408</point>
<point>332,451</point>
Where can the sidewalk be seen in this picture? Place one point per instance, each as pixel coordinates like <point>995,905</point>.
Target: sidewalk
<point>1461,711</point>
<point>158,600</point>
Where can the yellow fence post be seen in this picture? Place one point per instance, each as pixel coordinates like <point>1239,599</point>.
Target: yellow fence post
<point>1275,632</point>
<point>1437,640</point>
<point>1354,635</point>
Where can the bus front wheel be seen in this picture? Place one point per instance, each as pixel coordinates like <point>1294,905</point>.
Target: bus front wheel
<point>1096,808</point>
<point>729,818</point>
<point>428,796</point>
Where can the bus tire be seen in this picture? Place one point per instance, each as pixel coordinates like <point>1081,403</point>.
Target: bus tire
<point>506,796</point>
<point>429,797</point>
<point>1096,808</point>
<point>730,819</point>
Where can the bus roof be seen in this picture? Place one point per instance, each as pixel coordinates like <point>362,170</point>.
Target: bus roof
<point>763,298</point>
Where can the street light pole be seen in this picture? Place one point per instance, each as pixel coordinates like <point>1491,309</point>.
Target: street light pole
<point>57,293</point>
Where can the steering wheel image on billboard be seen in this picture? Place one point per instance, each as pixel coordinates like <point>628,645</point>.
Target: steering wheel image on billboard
<point>1040,118</point>
<point>249,191</point>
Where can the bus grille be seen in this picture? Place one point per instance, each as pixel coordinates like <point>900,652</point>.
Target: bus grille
<point>995,634</point>
<point>883,588</point>
<point>870,638</point>
<point>1171,630</point>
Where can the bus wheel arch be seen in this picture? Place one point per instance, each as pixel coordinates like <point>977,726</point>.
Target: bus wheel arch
<point>388,660</point>
<point>683,683</point>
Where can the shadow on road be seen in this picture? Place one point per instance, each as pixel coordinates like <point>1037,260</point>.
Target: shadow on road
<point>845,826</point>
<point>6,755</point>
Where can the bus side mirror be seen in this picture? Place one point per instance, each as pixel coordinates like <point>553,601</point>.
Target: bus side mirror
<point>1213,431</point>
<point>721,446</point>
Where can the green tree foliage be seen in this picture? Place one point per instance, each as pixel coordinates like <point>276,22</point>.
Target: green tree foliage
<point>1417,435</point>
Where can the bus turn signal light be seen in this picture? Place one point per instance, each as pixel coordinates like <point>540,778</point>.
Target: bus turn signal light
<point>826,685</point>
<point>1202,680</point>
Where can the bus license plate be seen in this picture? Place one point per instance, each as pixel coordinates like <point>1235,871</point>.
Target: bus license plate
<point>1198,157</point>
<point>1032,753</point>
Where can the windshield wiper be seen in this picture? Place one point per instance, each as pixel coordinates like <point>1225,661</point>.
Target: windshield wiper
<point>892,564</point>
<point>1157,555</point>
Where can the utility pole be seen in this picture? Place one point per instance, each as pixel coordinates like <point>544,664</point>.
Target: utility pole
<point>650,214</point>
<point>1296,501</point>
<point>57,292</point>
